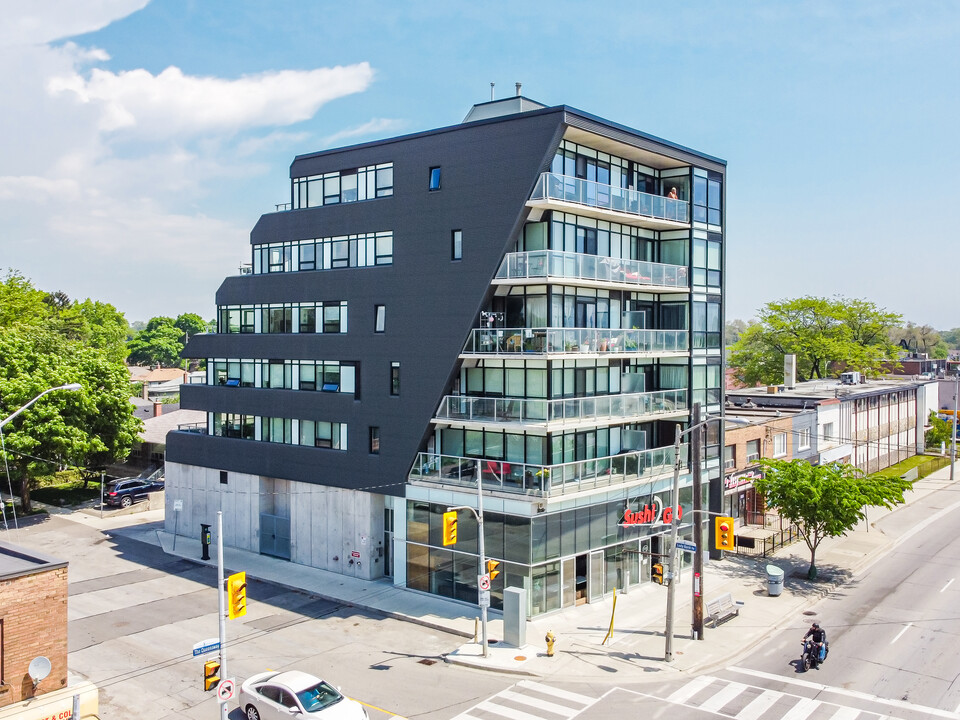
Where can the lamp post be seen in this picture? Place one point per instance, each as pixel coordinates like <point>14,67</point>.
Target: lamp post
<point>3,447</point>
<point>675,526</point>
<point>953,433</point>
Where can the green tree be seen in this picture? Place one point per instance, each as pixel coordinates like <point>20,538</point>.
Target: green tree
<point>951,337</point>
<point>191,324</point>
<point>20,302</point>
<point>825,500</point>
<point>819,331</point>
<point>940,351</point>
<point>939,432</point>
<point>732,330</point>
<point>160,342</point>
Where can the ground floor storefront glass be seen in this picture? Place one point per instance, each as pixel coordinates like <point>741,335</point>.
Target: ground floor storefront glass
<point>561,559</point>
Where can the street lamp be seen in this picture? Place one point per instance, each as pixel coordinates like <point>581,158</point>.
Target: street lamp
<point>69,386</point>
<point>3,447</point>
<point>675,520</point>
<point>953,434</point>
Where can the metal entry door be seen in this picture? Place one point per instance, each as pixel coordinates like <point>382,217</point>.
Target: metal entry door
<point>596,575</point>
<point>275,536</point>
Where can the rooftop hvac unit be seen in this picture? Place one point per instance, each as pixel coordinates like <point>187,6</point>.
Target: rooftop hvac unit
<point>850,378</point>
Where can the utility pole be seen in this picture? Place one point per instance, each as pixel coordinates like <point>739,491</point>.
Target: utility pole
<point>953,431</point>
<point>222,604</point>
<point>674,526</point>
<point>696,461</point>
<point>483,601</point>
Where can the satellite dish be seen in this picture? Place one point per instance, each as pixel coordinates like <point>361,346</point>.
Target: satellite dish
<point>39,668</point>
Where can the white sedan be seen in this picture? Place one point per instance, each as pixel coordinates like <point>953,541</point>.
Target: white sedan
<point>276,695</point>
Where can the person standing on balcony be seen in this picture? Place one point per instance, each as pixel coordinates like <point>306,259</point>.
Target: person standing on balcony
<point>673,194</point>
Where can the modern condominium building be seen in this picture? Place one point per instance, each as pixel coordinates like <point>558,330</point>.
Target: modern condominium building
<point>531,300</point>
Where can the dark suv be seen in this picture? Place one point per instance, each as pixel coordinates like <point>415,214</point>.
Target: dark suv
<point>129,490</point>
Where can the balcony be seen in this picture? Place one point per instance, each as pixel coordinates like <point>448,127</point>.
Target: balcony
<point>545,265</point>
<point>547,480</point>
<point>631,407</point>
<point>606,202</point>
<point>596,341</point>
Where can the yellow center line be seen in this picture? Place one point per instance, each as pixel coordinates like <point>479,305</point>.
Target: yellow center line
<point>380,709</point>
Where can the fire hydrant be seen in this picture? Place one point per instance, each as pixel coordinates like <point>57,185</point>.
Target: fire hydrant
<point>551,639</point>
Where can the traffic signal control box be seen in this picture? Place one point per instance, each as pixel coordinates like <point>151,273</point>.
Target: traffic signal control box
<point>491,569</point>
<point>450,528</point>
<point>657,575</point>
<point>723,532</point>
<point>237,595</point>
<point>211,674</point>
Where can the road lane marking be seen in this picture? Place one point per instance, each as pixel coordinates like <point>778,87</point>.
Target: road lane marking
<point>556,692</point>
<point>849,693</point>
<point>759,705</point>
<point>803,709</point>
<point>505,711</point>
<point>900,634</point>
<point>717,701</point>
<point>539,704</point>
<point>949,582</point>
<point>690,689</point>
<point>374,707</point>
<point>846,713</point>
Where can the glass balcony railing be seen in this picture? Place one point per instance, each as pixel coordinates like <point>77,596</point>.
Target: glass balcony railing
<point>541,264</point>
<point>605,407</point>
<point>566,188</point>
<point>567,340</point>
<point>547,480</point>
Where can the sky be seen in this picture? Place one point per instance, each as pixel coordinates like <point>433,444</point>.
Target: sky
<point>142,139</point>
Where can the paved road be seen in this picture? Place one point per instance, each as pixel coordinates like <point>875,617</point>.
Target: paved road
<point>135,614</point>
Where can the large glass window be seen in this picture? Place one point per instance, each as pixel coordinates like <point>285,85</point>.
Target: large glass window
<point>343,186</point>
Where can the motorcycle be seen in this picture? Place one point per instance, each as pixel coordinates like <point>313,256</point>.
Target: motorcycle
<point>813,654</point>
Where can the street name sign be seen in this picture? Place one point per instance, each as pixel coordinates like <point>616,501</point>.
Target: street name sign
<point>687,546</point>
<point>206,646</point>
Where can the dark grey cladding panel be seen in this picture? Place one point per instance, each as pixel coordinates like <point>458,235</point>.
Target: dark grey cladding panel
<point>300,404</point>
<point>353,469</point>
<point>432,303</point>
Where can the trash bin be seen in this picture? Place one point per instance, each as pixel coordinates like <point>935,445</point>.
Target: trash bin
<point>774,580</point>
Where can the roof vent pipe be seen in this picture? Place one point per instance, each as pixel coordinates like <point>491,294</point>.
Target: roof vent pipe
<point>491,91</point>
<point>519,85</point>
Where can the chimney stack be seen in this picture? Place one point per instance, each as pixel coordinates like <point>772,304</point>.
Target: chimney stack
<point>790,371</point>
<point>519,85</point>
<point>157,408</point>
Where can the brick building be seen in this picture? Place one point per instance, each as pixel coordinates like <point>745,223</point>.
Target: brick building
<point>33,622</point>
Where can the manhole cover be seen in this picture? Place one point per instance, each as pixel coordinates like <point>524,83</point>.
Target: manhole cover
<point>520,658</point>
<point>427,661</point>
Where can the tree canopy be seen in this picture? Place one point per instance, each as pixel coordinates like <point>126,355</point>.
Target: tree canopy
<point>825,500</point>
<point>819,331</point>
<point>163,338</point>
<point>53,341</point>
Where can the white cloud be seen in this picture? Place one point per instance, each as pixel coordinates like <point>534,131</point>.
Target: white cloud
<point>172,104</point>
<point>37,22</point>
<point>374,127</point>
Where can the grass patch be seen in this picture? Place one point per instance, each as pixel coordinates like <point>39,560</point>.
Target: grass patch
<point>66,494</point>
<point>925,465</point>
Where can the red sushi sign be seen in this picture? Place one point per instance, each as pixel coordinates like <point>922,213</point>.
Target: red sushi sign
<point>650,515</point>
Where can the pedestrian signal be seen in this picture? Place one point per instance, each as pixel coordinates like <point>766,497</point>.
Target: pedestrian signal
<point>491,569</point>
<point>211,674</point>
<point>658,573</point>
<point>450,528</point>
<point>723,531</point>
<point>237,595</point>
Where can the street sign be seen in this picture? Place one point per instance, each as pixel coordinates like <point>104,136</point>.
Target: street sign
<point>484,598</point>
<point>206,646</point>
<point>483,582</point>
<point>226,689</point>
<point>178,505</point>
<point>686,546</point>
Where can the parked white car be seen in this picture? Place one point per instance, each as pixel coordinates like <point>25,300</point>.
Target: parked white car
<point>280,695</point>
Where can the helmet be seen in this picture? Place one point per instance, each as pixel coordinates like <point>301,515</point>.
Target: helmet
<point>816,626</point>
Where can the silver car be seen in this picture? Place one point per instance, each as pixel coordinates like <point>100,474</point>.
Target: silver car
<point>279,695</point>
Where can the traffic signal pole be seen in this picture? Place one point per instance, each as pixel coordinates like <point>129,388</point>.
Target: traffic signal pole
<point>696,459</point>
<point>223,613</point>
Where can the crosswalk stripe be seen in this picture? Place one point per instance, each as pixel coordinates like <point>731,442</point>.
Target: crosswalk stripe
<point>505,711</point>
<point>690,689</point>
<point>759,705</point>
<point>845,713</point>
<point>803,709</point>
<point>538,703</point>
<point>556,692</point>
<point>722,697</point>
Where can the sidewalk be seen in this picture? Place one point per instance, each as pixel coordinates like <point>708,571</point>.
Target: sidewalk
<point>637,641</point>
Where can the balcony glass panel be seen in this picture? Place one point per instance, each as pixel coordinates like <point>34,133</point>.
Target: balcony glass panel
<point>540,264</point>
<point>599,408</point>
<point>509,341</point>
<point>547,480</point>
<point>565,188</point>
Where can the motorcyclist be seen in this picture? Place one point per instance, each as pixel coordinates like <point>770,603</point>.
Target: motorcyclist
<point>819,637</point>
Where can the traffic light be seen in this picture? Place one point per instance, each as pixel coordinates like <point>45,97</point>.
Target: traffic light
<point>491,569</point>
<point>237,595</point>
<point>450,528</point>
<point>211,674</point>
<point>724,533</point>
<point>658,573</point>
